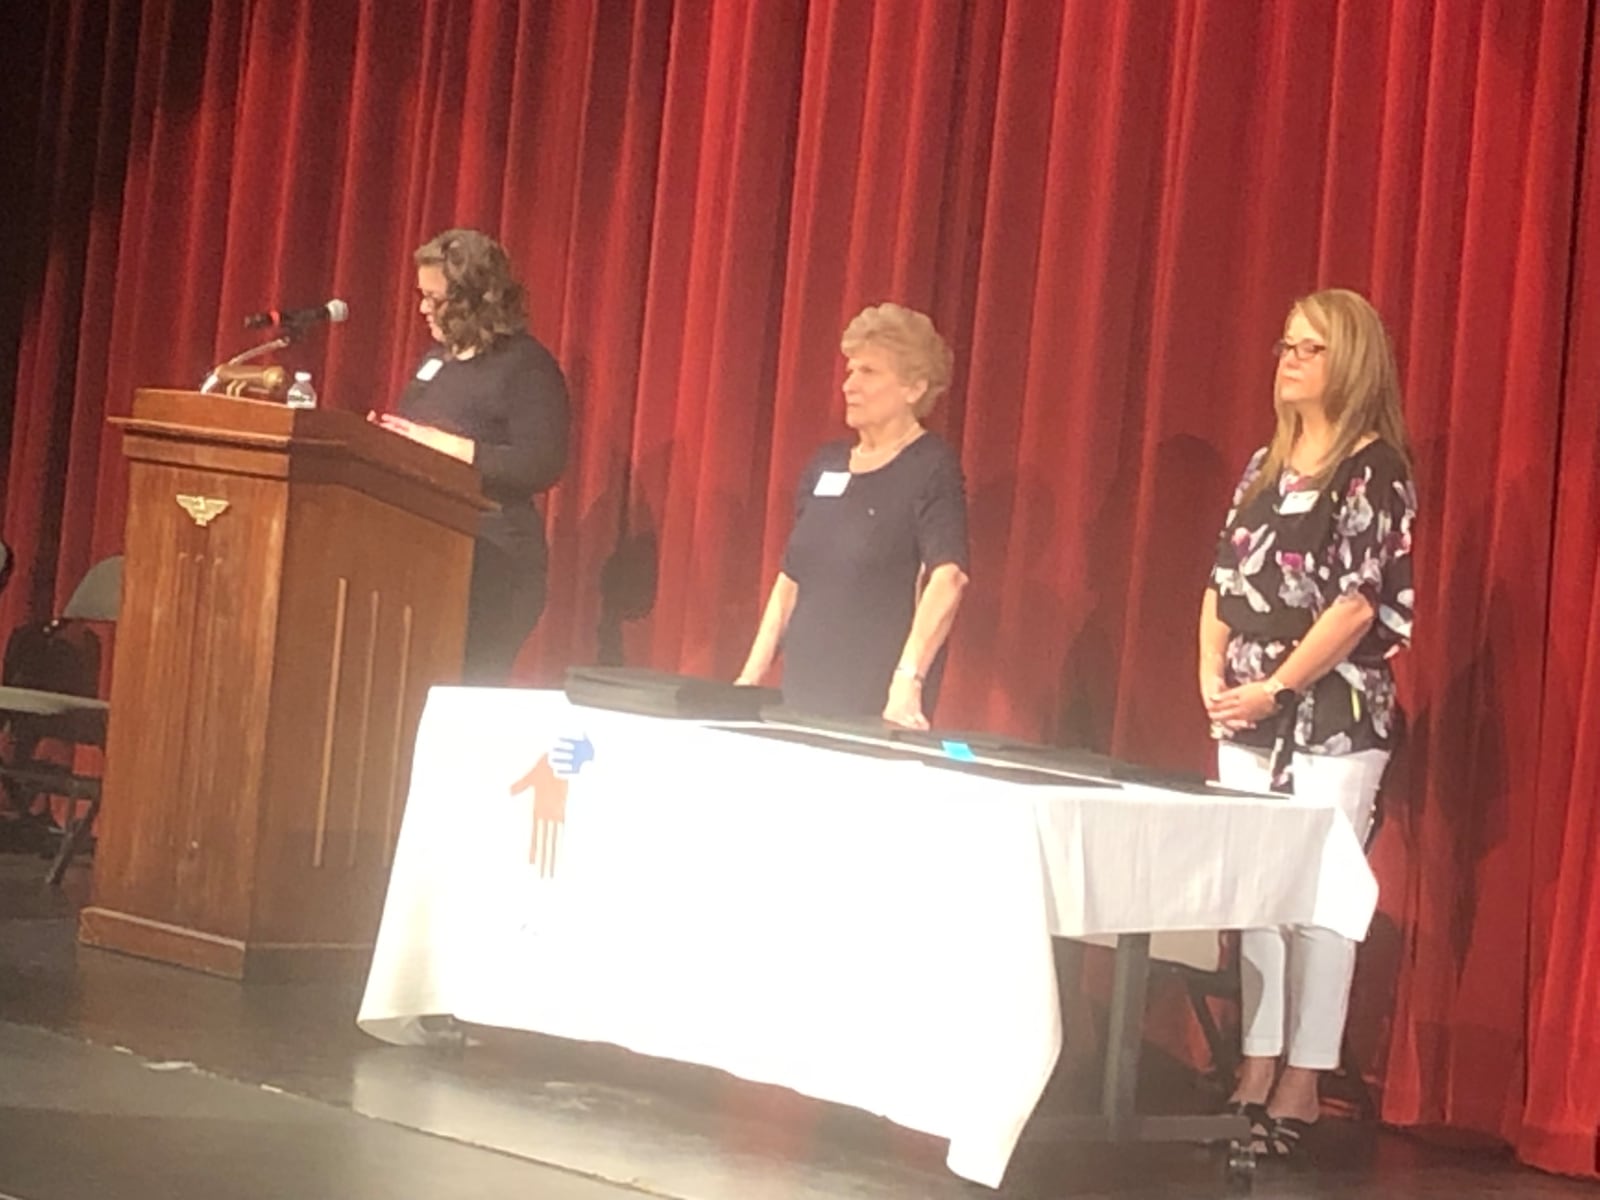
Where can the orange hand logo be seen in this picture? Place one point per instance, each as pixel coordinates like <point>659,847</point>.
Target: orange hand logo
<point>549,813</point>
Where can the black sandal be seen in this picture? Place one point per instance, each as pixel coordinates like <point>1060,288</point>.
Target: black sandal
<point>1284,1137</point>
<point>1252,1111</point>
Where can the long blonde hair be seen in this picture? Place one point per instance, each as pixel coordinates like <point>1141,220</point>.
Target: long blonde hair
<point>1363,387</point>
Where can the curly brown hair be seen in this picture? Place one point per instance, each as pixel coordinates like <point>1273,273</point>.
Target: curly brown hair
<point>484,302</point>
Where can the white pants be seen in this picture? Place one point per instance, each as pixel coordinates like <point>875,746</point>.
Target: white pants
<point>1296,979</point>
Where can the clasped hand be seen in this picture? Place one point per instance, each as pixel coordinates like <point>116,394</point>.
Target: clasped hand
<point>1236,707</point>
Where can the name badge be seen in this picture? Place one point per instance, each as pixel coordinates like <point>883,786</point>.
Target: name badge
<point>831,483</point>
<point>1298,502</point>
<point>429,368</point>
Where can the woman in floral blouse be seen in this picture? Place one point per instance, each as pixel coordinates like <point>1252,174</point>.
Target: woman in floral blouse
<point>1309,599</point>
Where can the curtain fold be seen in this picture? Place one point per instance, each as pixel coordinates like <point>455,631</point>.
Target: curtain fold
<point>1106,207</point>
<point>1560,1119</point>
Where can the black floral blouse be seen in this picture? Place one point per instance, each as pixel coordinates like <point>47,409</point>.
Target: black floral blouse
<point>1284,558</point>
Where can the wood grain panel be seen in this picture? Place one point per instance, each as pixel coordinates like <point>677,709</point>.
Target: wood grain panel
<point>189,699</point>
<point>270,672</point>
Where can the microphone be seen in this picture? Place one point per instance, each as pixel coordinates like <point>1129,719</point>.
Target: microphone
<point>334,311</point>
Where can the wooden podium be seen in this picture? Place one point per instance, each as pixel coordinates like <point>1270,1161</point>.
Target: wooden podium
<point>294,582</point>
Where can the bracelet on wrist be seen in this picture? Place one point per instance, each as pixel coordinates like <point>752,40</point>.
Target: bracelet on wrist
<point>904,672</point>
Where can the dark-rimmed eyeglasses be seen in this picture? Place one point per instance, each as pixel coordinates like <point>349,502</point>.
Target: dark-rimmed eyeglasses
<point>1304,351</point>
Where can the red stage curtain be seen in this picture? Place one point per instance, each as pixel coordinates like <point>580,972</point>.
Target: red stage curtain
<point>1107,207</point>
<point>1560,1122</point>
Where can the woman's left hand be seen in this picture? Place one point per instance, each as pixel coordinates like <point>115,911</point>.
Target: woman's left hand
<point>1243,706</point>
<point>905,703</point>
<point>430,435</point>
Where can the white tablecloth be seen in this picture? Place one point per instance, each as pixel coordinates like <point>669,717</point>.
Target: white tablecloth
<point>866,931</point>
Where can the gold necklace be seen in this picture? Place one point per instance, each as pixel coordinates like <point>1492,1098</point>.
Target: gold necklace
<point>857,451</point>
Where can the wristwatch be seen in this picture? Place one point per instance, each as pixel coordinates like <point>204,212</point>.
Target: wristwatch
<point>1281,694</point>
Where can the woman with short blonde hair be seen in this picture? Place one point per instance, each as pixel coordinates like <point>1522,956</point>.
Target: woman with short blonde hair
<point>918,350</point>
<point>877,559</point>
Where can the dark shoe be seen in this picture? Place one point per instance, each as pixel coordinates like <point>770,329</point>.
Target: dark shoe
<point>1253,1112</point>
<point>1284,1137</point>
<point>443,1032</point>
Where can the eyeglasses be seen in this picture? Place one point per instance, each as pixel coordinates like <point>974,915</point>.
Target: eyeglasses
<point>1303,351</point>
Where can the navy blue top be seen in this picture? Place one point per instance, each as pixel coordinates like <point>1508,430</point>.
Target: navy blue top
<point>857,558</point>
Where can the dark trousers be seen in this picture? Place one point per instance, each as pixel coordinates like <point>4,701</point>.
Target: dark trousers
<point>508,594</point>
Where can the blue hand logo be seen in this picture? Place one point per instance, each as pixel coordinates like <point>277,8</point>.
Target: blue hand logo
<point>569,755</point>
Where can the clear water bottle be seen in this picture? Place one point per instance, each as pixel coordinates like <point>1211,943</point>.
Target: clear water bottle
<point>301,394</point>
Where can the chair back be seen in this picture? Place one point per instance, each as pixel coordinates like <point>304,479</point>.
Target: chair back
<point>98,596</point>
<point>50,656</point>
<point>63,655</point>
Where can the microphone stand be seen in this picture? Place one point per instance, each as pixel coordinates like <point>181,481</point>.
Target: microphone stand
<point>283,340</point>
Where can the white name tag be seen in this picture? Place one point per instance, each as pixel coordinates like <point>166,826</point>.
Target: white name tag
<point>831,483</point>
<point>1298,502</point>
<point>429,368</point>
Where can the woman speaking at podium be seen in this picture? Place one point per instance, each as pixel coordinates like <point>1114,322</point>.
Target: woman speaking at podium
<point>1309,598</point>
<point>877,558</point>
<point>490,395</point>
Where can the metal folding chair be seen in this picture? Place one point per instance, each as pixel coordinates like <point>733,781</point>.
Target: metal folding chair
<point>50,693</point>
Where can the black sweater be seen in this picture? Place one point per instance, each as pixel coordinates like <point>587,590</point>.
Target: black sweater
<point>511,400</point>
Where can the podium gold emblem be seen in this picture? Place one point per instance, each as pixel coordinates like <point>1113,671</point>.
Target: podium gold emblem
<point>203,509</point>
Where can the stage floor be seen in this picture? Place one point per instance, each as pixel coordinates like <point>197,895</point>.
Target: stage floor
<point>128,1078</point>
